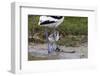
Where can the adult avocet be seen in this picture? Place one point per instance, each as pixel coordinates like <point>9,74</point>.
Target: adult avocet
<point>51,22</point>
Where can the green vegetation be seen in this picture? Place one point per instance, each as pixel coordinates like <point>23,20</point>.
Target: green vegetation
<point>73,31</point>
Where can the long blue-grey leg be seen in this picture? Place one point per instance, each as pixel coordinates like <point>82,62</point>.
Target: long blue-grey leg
<point>48,43</point>
<point>54,43</point>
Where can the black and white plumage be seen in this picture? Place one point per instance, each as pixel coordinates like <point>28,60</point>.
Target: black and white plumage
<point>51,22</point>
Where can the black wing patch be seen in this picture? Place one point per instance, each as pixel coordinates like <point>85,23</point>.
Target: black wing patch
<point>56,17</point>
<point>47,22</point>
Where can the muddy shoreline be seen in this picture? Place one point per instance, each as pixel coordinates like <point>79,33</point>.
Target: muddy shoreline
<point>39,52</point>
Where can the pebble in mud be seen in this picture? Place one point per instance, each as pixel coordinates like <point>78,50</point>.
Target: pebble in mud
<point>82,56</point>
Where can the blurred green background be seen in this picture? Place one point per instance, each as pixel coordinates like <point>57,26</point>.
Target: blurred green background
<point>73,31</point>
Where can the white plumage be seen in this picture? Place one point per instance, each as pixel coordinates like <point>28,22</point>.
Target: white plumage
<point>55,22</point>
